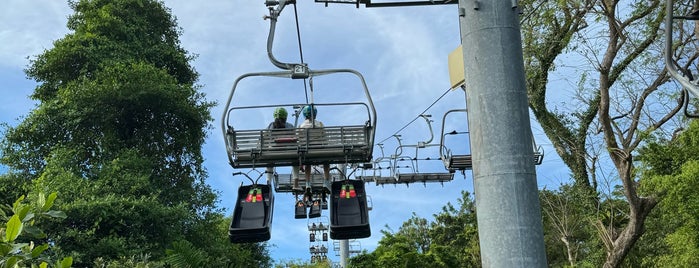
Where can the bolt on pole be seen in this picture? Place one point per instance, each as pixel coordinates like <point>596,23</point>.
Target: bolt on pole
<point>507,204</point>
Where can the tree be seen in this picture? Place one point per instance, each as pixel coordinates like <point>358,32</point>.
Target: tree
<point>671,170</point>
<point>625,100</point>
<point>566,226</point>
<point>450,241</point>
<point>118,132</point>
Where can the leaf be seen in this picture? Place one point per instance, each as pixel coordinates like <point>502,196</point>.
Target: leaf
<point>14,228</point>
<point>57,214</point>
<point>23,211</point>
<point>38,250</point>
<point>5,249</point>
<point>12,262</point>
<point>17,247</point>
<point>28,217</point>
<point>43,265</point>
<point>15,205</point>
<point>41,200</point>
<point>66,262</point>
<point>49,202</point>
<point>34,231</point>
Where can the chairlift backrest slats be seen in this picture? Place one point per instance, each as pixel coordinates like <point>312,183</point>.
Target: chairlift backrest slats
<point>250,148</point>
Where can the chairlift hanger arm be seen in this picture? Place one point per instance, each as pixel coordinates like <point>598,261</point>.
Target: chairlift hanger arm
<point>298,70</point>
<point>441,139</point>
<point>429,125</point>
<point>689,85</point>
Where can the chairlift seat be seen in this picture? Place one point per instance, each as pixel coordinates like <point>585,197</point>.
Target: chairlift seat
<point>425,177</point>
<point>252,221</point>
<point>458,162</point>
<point>538,157</point>
<point>349,216</point>
<point>293,147</point>
<point>283,183</point>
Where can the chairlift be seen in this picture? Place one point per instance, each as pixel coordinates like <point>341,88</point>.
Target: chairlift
<point>414,175</point>
<point>252,217</point>
<point>376,169</point>
<point>453,162</point>
<point>339,144</point>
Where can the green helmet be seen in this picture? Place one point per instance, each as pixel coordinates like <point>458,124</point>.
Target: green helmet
<point>280,113</point>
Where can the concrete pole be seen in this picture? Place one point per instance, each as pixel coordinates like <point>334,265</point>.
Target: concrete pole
<point>344,253</point>
<point>507,204</point>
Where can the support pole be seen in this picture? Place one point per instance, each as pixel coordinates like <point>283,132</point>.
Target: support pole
<point>507,204</point>
<point>344,244</point>
<point>344,253</point>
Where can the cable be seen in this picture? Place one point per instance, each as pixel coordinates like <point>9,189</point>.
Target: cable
<point>418,116</point>
<point>298,37</point>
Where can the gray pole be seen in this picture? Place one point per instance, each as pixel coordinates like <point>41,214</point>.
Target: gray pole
<point>507,204</point>
<point>344,253</point>
<point>344,244</point>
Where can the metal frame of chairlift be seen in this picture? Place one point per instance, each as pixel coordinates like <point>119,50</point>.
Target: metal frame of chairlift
<point>688,85</point>
<point>462,162</point>
<point>415,175</point>
<point>309,146</point>
<point>355,247</point>
<point>262,148</point>
<point>376,168</point>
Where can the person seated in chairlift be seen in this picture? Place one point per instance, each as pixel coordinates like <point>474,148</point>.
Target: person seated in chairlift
<point>310,113</point>
<point>280,114</point>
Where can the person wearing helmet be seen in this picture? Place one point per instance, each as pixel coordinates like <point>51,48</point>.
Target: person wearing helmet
<point>310,112</point>
<point>279,122</point>
<point>280,116</point>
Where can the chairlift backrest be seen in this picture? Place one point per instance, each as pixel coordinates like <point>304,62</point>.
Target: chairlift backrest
<point>249,148</point>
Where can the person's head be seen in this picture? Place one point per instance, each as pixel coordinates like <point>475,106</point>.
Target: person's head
<point>280,113</point>
<point>309,112</point>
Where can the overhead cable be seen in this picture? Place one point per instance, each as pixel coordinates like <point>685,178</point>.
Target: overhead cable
<point>418,116</point>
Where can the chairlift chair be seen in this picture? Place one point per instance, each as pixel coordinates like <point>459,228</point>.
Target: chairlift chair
<point>414,175</point>
<point>453,162</point>
<point>250,148</point>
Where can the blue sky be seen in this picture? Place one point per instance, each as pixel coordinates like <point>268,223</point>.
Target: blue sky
<point>402,53</point>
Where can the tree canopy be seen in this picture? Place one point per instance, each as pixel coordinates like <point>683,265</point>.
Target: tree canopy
<point>118,132</point>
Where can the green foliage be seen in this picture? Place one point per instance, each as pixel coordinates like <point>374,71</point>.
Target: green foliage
<point>303,264</point>
<point>118,133</point>
<point>184,255</point>
<point>671,170</point>
<point>450,241</point>
<point>21,233</point>
<point>139,261</point>
<point>568,234</point>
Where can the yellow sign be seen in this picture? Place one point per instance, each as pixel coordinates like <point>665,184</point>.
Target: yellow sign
<point>456,67</point>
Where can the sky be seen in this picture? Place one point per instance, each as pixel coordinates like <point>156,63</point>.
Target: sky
<point>401,52</point>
